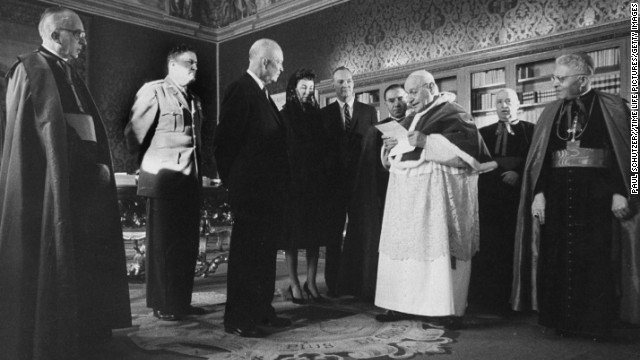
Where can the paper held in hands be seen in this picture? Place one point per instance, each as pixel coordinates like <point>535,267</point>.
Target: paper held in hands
<point>394,130</point>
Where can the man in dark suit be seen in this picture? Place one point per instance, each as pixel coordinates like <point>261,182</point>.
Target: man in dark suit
<point>164,129</point>
<point>359,262</point>
<point>251,155</point>
<point>347,122</point>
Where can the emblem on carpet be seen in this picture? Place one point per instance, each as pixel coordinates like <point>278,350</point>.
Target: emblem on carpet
<point>328,332</point>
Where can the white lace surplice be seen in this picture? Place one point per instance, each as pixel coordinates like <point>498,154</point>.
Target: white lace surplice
<point>431,209</point>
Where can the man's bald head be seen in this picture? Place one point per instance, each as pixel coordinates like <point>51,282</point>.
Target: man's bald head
<point>423,75</point>
<point>54,18</point>
<point>421,89</point>
<point>265,60</point>
<point>262,48</point>
<point>62,32</point>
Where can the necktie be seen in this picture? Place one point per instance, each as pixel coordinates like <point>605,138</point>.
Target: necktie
<point>347,118</point>
<point>266,92</point>
<point>68,72</point>
<point>503,131</point>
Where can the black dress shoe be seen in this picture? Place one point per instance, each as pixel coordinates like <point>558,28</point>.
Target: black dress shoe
<point>453,323</point>
<point>165,316</point>
<point>194,310</point>
<point>391,315</point>
<point>277,322</point>
<point>295,300</point>
<point>248,332</point>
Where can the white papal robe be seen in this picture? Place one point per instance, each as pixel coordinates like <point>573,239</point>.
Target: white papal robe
<point>431,214</point>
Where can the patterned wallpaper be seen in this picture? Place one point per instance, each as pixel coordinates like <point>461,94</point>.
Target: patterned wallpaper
<point>369,35</point>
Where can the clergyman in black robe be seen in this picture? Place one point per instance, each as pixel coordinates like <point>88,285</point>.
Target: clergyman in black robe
<point>498,196</point>
<point>62,265</point>
<point>577,211</point>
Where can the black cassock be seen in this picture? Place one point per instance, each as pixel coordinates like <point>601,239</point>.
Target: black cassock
<point>576,291</point>
<point>490,284</point>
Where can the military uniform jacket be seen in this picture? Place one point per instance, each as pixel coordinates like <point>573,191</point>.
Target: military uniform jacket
<point>164,130</point>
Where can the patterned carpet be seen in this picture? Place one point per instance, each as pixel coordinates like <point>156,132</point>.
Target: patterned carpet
<point>337,331</point>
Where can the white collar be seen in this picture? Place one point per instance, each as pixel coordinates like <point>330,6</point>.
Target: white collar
<point>256,78</point>
<point>54,52</point>
<point>350,102</point>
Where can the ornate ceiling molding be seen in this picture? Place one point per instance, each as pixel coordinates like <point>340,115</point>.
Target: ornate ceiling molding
<point>130,12</point>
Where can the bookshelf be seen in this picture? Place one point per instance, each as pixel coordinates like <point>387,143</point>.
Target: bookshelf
<point>525,67</point>
<point>535,88</point>
<point>484,85</point>
<point>374,94</point>
<point>448,83</point>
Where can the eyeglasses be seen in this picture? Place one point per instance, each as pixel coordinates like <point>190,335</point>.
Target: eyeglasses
<point>78,34</point>
<point>561,78</point>
<point>188,63</point>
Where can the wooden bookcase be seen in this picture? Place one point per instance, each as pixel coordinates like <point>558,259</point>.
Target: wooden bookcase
<point>525,67</point>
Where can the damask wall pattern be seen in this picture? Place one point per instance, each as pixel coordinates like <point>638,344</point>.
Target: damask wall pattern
<point>369,36</point>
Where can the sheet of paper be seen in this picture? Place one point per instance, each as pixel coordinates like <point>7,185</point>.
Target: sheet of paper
<point>395,130</point>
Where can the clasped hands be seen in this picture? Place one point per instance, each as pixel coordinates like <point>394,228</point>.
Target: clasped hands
<point>619,207</point>
<point>416,138</point>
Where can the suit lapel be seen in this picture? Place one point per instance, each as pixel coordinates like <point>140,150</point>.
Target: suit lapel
<point>267,101</point>
<point>354,115</point>
<point>337,115</point>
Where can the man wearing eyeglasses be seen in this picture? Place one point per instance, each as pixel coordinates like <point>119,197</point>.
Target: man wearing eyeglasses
<point>251,156</point>
<point>62,264</point>
<point>164,131</point>
<point>575,201</point>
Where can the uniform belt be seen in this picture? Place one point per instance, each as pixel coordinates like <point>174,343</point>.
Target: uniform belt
<point>581,157</point>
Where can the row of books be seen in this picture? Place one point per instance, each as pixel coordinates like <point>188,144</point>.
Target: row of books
<point>487,78</point>
<point>607,82</point>
<point>525,72</point>
<point>484,101</point>
<point>368,97</point>
<point>534,97</point>
<point>606,57</point>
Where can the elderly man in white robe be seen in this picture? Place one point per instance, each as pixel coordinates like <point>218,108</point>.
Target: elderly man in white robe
<point>430,228</point>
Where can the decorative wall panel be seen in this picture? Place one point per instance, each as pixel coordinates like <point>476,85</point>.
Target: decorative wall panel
<point>369,36</point>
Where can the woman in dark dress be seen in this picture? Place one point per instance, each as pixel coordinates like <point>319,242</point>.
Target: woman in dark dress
<point>305,212</point>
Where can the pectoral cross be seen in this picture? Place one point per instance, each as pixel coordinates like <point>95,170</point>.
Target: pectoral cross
<point>575,129</point>
<point>572,134</point>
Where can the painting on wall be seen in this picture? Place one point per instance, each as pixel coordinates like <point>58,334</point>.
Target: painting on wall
<point>181,8</point>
